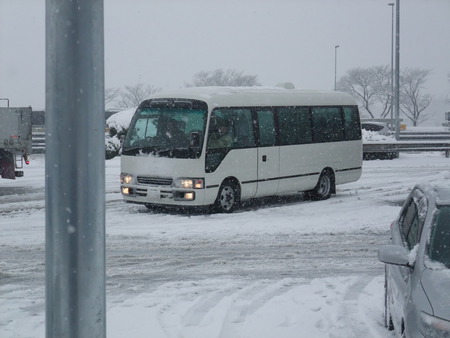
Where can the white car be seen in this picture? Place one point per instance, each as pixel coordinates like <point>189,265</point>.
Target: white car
<point>374,131</point>
<point>379,127</point>
<point>417,287</point>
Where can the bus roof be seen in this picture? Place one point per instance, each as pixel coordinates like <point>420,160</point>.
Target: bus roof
<point>258,96</point>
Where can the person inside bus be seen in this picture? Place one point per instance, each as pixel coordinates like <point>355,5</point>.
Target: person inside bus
<point>174,135</point>
<point>219,134</point>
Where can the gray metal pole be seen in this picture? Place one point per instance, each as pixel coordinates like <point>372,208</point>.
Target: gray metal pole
<point>335,65</point>
<point>392,64</point>
<point>397,70</point>
<point>75,166</point>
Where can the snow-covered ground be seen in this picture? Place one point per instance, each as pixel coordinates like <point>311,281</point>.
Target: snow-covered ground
<point>276,268</point>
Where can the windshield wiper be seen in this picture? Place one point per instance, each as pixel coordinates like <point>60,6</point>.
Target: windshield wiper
<point>164,151</point>
<point>169,150</point>
<point>136,150</point>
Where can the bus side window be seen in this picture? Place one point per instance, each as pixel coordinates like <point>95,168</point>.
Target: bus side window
<point>243,129</point>
<point>220,130</point>
<point>295,125</point>
<point>266,127</point>
<point>327,124</point>
<point>352,123</point>
<point>239,131</point>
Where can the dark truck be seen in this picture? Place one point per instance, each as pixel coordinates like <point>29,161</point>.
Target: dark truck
<point>15,140</point>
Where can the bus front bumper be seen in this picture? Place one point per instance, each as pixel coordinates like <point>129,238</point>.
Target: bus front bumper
<point>165,195</point>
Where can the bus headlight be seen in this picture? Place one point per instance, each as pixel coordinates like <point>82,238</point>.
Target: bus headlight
<point>191,183</point>
<point>184,195</point>
<point>190,196</point>
<point>126,191</point>
<point>126,178</point>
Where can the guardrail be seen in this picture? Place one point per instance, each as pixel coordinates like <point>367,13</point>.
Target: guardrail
<point>422,136</point>
<point>395,147</point>
<point>428,142</point>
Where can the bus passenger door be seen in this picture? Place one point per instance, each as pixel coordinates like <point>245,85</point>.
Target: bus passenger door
<point>268,154</point>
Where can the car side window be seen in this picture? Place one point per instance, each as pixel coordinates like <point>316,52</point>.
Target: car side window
<point>402,222</point>
<point>409,224</point>
<point>413,233</point>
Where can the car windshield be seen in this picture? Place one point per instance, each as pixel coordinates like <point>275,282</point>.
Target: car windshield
<point>167,128</point>
<point>439,249</point>
<point>371,127</point>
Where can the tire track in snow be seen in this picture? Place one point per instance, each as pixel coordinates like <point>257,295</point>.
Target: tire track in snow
<point>36,203</point>
<point>348,323</point>
<point>246,302</point>
<point>201,308</point>
<point>389,188</point>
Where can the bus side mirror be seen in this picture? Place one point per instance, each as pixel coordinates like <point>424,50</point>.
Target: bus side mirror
<point>194,141</point>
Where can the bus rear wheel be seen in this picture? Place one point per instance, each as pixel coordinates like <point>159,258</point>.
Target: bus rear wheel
<point>228,199</point>
<point>323,189</point>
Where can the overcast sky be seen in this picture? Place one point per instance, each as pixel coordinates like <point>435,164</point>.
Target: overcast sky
<point>165,42</point>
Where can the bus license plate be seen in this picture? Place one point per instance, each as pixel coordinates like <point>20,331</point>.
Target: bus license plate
<point>153,194</point>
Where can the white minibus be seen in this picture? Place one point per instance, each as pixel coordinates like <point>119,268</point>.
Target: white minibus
<point>219,146</point>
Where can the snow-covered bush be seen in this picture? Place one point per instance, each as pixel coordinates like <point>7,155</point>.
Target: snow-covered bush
<point>117,126</point>
<point>373,137</point>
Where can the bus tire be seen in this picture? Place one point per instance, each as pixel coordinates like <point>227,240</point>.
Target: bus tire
<point>323,189</point>
<point>228,198</point>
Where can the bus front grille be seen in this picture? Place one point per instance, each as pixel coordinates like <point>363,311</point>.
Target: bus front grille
<point>154,180</point>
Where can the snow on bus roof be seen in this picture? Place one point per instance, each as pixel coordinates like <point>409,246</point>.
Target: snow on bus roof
<point>258,96</point>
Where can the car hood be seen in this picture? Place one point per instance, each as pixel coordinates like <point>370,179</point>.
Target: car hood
<point>436,283</point>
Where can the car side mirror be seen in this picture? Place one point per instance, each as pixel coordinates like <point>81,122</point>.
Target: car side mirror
<point>395,255</point>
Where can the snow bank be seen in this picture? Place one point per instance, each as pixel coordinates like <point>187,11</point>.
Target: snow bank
<point>118,125</point>
<point>373,136</point>
<point>120,120</point>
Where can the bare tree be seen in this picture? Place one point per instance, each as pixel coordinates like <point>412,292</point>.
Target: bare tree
<point>132,96</point>
<point>371,88</point>
<point>220,77</point>
<point>412,101</point>
<point>111,95</point>
<point>360,83</point>
<point>382,88</point>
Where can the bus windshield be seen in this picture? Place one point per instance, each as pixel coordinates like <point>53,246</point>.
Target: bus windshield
<point>167,128</point>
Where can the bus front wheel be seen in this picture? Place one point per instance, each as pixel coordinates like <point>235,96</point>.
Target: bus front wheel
<point>323,189</point>
<point>228,198</point>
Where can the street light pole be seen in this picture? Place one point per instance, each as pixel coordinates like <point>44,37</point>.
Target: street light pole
<point>392,63</point>
<point>75,170</point>
<point>335,65</point>
<point>397,70</point>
